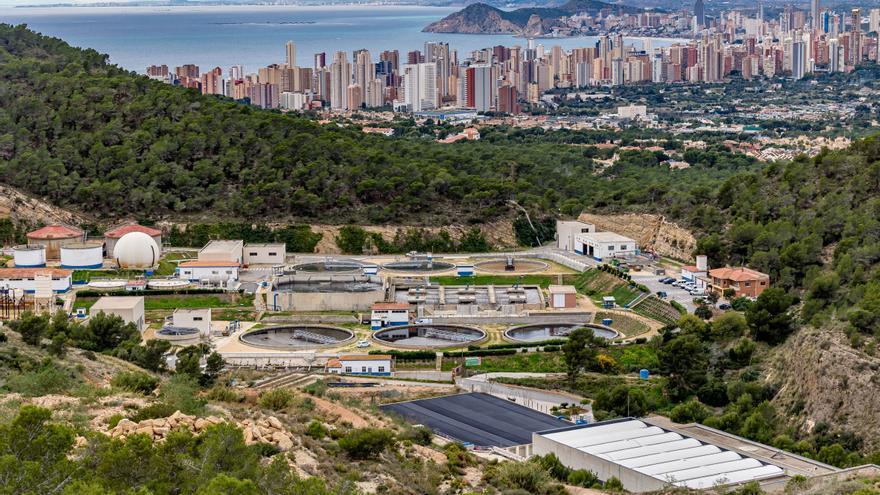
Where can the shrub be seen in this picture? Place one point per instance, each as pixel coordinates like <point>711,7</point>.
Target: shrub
<point>277,399</point>
<point>316,430</point>
<point>3,337</point>
<point>613,485</point>
<point>135,381</point>
<point>265,449</point>
<point>530,477</point>
<point>418,435</point>
<point>222,393</point>
<point>691,411</point>
<point>582,477</point>
<point>366,443</point>
<point>181,392</point>
<point>153,411</point>
<point>318,389</point>
<point>114,420</point>
<point>49,379</point>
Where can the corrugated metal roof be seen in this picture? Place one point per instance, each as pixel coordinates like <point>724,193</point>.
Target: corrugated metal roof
<point>665,455</point>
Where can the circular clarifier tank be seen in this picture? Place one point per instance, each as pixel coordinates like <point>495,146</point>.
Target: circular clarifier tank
<point>418,266</point>
<point>429,336</point>
<point>329,266</point>
<point>297,337</point>
<point>553,331</point>
<point>515,265</point>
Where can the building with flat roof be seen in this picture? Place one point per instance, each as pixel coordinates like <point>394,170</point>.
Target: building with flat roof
<point>361,364</point>
<point>199,319</point>
<point>566,230</point>
<point>265,254</point>
<point>228,251</point>
<point>30,280</point>
<point>604,245</point>
<point>129,308</point>
<point>745,282</point>
<point>562,296</point>
<point>389,314</point>
<point>654,453</point>
<point>208,271</point>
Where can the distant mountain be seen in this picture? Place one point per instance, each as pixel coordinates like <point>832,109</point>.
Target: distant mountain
<point>480,18</point>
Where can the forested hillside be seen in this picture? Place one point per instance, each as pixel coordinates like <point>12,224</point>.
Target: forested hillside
<point>85,134</point>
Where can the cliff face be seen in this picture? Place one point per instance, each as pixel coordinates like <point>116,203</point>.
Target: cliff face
<point>652,232</point>
<point>823,379</point>
<point>21,207</point>
<point>477,18</point>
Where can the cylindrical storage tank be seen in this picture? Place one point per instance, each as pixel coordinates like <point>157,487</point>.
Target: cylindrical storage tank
<point>644,374</point>
<point>136,250</point>
<point>29,256</point>
<point>53,237</point>
<point>607,322</point>
<point>82,255</point>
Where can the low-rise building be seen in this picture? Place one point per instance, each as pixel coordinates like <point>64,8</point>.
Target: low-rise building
<point>31,279</point>
<point>229,251</point>
<point>199,319</point>
<point>208,271</point>
<point>745,282</point>
<point>265,254</point>
<point>566,230</point>
<point>604,245</point>
<point>361,364</point>
<point>562,296</point>
<point>129,308</point>
<point>691,272</point>
<point>389,314</point>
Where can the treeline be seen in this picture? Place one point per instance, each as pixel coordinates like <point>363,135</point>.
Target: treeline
<point>299,238</point>
<point>357,240</point>
<point>82,133</point>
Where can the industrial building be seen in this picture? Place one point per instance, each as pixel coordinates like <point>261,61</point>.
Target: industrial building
<point>691,272</point>
<point>31,279</point>
<point>53,237</point>
<point>604,245</point>
<point>265,254</point>
<point>562,296</point>
<point>225,251</point>
<point>389,314</point>
<point>213,272</point>
<point>566,230</point>
<point>198,319</point>
<point>129,308</point>
<point>361,364</point>
<point>654,453</point>
<point>111,237</point>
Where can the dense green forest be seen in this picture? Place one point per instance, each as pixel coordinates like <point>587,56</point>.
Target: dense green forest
<point>83,133</point>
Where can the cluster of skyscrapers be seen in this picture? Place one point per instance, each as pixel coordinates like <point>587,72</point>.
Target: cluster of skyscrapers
<point>500,78</point>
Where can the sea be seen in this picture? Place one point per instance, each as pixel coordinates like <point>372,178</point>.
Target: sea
<point>255,36</point>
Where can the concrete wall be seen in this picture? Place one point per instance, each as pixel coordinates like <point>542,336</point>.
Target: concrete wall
<point>573,458</point>
<point>323,301</point>
<point>538,400</point>
<point>265,254</point>
<point>566,231</point>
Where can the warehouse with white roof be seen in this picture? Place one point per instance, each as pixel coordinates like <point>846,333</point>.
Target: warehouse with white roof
<point>648,455</point>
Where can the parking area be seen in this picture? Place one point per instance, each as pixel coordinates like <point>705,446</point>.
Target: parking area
<point>673,293</point>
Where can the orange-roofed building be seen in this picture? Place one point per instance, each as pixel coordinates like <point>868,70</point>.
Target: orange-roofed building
<point>744,281</point>
<point>208,271</point>
<point>54,237</point>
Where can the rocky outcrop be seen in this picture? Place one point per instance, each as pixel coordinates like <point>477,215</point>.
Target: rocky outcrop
<point>27,209</point>
<point>477,18</point>
<point>262,430</point>
<point>652,232</point>
<point>821,378</point>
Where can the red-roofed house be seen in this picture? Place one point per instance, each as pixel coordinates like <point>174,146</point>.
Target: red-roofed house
<point>389,314</point>
<point>112,236</point>
<point>29,279</point>
<point>744,281</point>
<point>53,237</point>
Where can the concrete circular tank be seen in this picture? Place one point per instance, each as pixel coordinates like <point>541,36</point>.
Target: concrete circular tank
<point>539,332</point>
<point>418,266</point>
<point>514,265</point>
<point>82,255</point>
<point>330,266</point>
<point>29,256</point>
<point>297,337</point>
<point>429,336</point>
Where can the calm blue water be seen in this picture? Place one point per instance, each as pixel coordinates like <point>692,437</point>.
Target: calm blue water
<point>253,36</point>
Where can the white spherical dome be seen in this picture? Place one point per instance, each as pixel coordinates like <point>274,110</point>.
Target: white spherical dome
<point>136,250</point>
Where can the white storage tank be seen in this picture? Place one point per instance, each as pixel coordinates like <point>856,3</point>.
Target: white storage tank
<point>29,256</point>
<point>82,255</point>
<point>136,250</point>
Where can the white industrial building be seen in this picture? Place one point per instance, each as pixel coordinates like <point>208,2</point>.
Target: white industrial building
<point>129,308</point>
<point>208,271</point>
<point>265,254</point>
<point>389,314</point>
<point>566,230</point>
<point>691,272</point>
<point>199,319</point>
<point>30,280</point>
<point>361,364</point>
<point>226,251</point>
<point>604,245</point>
<point>647,457</point>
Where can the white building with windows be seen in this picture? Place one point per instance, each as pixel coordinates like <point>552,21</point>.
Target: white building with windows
<point>30,280</point>
<point>227,251</point>
<point>604,245</point>
<point>209,271</point>
<point>265,254</point>
<point>199,319</point>
<point>566,230</point>
<point>361,364</point>
<point>388,315</point>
